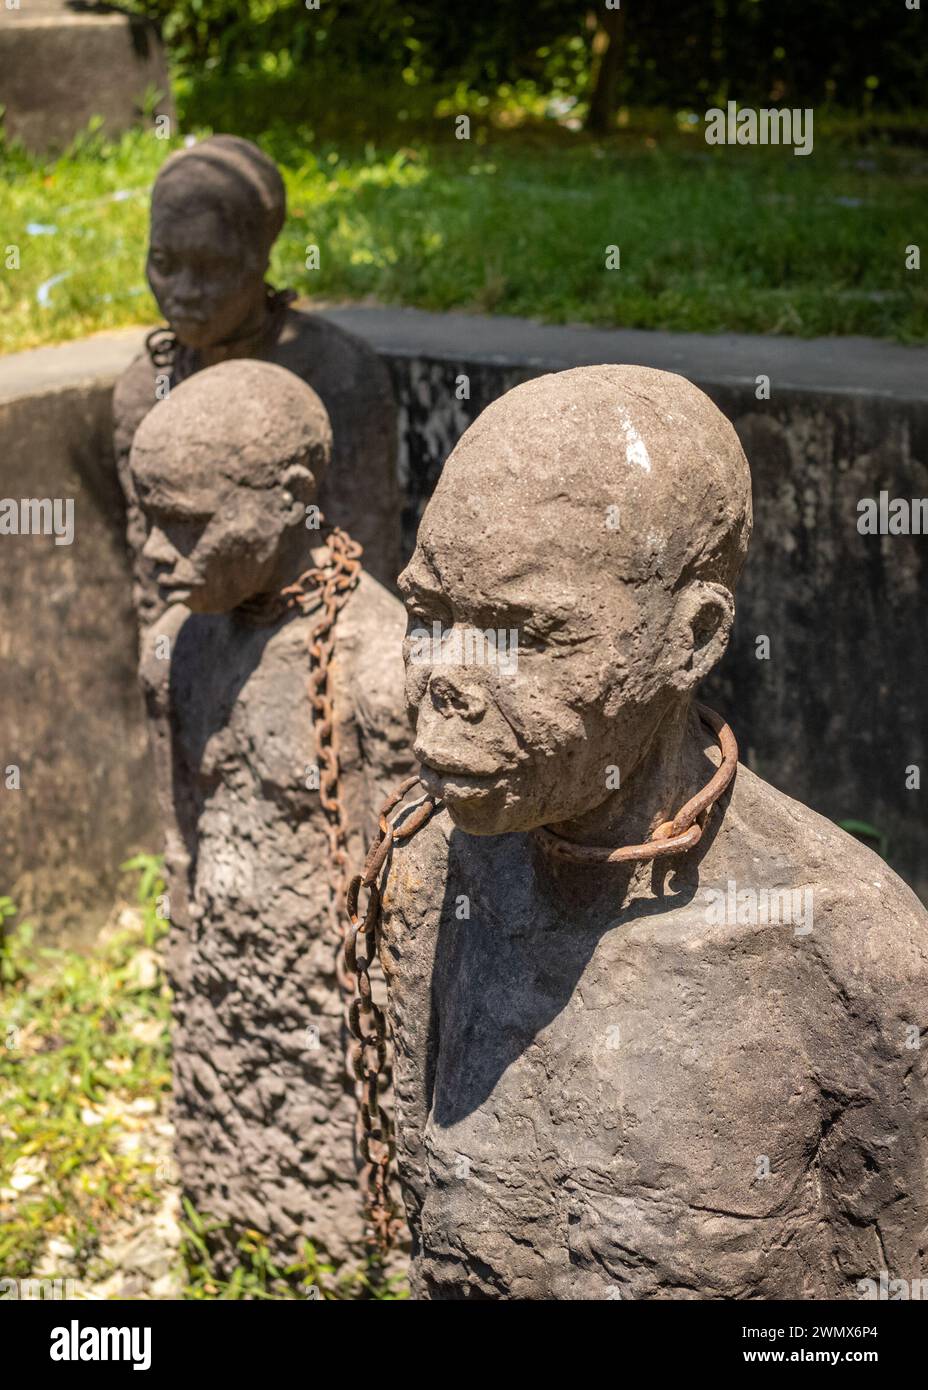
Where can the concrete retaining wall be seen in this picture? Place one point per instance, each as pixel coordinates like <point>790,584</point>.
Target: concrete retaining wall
<point>71,713</point>
<point>835,716</point>
<point>62,63</point>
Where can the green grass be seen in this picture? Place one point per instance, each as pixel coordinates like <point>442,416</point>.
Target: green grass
<point>516,220</point>
<point>85,1037</point>
<point>84,1068</point>
<point>257,1277</point>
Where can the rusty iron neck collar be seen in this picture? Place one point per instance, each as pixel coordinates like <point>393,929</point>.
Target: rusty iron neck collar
<point>307,593</point>
<point>672,836</point>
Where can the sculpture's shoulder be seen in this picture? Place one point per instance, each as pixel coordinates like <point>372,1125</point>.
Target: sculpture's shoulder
<point>866,926</point>
<point>337,364</point>
<point>371,628</point>
<point>133,398</point>
<point>414,889</point>
<point>240,710</point>
<point>360,491</point>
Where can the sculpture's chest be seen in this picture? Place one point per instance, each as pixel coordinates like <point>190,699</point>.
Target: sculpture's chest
<point>635,1098</point>
<point>242,715</point>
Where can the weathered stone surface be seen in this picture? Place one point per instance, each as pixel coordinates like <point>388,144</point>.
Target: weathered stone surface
<point>263,1108</point>
<point>833,720</point>
<point>217,208</point>
<point>635,1080</point>
<point>71,712</point>
<point>835,717</point>
<point>62,64</point>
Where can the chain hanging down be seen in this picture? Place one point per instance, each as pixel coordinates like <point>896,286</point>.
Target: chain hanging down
<point>367,1022</point>
<point>325,589</point>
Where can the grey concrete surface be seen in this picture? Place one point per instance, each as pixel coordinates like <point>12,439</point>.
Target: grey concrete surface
<point>63,63</point>
<point>842,365</point>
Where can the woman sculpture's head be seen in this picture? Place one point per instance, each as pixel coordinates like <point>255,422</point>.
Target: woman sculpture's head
<point>216,210</point>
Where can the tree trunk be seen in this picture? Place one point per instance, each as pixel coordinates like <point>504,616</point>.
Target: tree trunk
<point>607,70</point>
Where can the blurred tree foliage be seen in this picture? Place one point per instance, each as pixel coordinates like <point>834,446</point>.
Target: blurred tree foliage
<point>694,53</point>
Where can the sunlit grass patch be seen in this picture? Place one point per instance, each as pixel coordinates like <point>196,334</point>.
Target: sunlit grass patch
<point>711,239</point>
<point>83,1067</point>
<point>88,1191</point>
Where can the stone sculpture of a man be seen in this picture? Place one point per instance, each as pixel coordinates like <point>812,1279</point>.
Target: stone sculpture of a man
<point>217,208</point>
<point>226,469</point>
<point>695,1075</point>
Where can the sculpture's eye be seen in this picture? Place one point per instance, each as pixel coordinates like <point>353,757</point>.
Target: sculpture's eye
<point>159,261</point>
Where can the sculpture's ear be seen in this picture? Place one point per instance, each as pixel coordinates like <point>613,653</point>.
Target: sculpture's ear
<point>700,630</point>
<point>300,482</point>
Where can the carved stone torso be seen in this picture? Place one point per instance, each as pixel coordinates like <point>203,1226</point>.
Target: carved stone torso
<point>653,1103</point>
<point>359,492</point>
<point>263,1109</point>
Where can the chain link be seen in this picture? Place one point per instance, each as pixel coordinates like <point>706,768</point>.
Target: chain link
<point>327,587</point>
<point>368,1060</point>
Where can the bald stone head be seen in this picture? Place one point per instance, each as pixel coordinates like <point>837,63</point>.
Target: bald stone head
<point>225,468</point>
<point>216,210</point>
<point>593,523</point>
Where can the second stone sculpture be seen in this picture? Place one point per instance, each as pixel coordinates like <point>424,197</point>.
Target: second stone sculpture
<point>217,208</point>
<point>228,470</point>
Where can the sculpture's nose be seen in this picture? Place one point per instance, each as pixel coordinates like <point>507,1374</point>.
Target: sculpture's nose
<point>158,548</point>
<point>187,291</point>
<point>450,699</point>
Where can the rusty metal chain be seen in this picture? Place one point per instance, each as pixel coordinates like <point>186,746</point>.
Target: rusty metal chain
<point>326,588</point>
<point>672,836</point>
<point>368,1050</point>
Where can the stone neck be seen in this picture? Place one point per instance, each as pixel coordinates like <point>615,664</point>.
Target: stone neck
<point>250,340</point>
<point>670,770</point>
<point>267,609</point>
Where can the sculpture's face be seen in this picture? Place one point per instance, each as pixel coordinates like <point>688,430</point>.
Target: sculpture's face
<point>211,552</point>
<point>591,518</point>
<point>207,277</point>
<point>535,736</point>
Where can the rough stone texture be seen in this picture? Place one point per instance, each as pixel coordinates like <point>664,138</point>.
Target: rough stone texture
<point>263,1110</point>
<point>61,64</point>
<point>836,715</point>
<point>221,204</point>
<point>607,1082</point>
<point>848,416</point>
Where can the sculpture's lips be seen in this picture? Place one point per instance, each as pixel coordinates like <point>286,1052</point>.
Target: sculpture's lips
<point>177,590</point>
<point>456,768</point>
<point>448,781</point>
<point>188,326</point>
